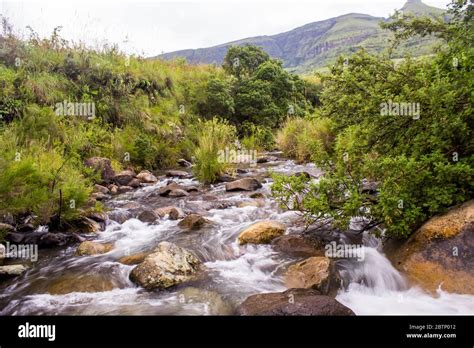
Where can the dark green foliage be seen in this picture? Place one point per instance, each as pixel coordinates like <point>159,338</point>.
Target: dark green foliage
<point>420,163</point>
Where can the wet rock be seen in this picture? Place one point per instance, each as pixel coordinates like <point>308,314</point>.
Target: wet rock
<point>15,237</point>
<point>93,248</point>
<point>134,259</point>
<point>45,239</point>
<point>135,183</point>
<point>178,193</point>
<point>168,265</point>
<point>215,304</point>
<point>183,163</point>
<point>98,196</point>
<point>245,184</point>
<point>440,253</point>
<point>146,177</point>
<point>225,178</point>
<point>165,190</point>
<point>7,219</point>
<point>84,225</point>
<point>316,273</point>
<point>148,216</point>
<point>258,203</point>
<point>257,195</point>
<point>101,165</point>
<point>81,283</point>
<point>242,171</point>
<point>113,189</point>
<point>296,245</point>
<point>178,173</point>
<point>174,213</point>
<point>293,302</point>
<point>101,189</point>
<point>193,222</point>
<point>124,177</point>
<point>120,216</point>
<point>124,189</point>
<point>97,216</point>
<point>262,159</point>
<point>9,271</point>
<point>261,232</point>
<point>5,228</point>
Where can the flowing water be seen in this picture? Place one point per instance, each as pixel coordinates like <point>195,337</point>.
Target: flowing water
<point>58,282</point>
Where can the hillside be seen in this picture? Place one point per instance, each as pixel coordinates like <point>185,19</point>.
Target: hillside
<point>318,44</point>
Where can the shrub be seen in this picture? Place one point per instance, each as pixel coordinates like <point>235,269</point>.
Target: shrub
<point>214,136</point>
<point>304,139</point>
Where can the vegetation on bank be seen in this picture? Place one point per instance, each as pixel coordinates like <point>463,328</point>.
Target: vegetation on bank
<point>402,147</point>
<point>61,104</point>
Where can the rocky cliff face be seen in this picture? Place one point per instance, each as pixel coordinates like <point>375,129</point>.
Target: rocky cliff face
<point>317,44</point>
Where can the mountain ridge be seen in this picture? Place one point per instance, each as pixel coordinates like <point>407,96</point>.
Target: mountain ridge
<point>317,44</point>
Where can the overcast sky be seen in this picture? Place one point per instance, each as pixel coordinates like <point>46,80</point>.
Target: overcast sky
<point>149,27</point>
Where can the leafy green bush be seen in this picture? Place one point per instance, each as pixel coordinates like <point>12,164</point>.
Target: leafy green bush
<point>395,170</point>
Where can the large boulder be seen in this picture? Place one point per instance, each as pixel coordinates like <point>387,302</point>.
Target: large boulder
<point>262,232</point>
<point>146,177</point>
<point>316,273</point>
<point>193,222</point>
<point>101,165</point>
<point>9,271</point>
<point>124,177</point>
<point>245,184</point>
<point>168,265</point>
<point>293,302</point>
<point>296,245</point>
<point>93,248</point>
<point>439,253</point>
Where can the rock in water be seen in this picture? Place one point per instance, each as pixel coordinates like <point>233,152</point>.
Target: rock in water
<point>168,265</point>
<point>293,302</point>
<point>148,216</point>
<point>93,248</point>
<point>262,232</point>
<point>296,245</point>
<point>316,273</point>
<point>178,173</point>
<point>440,252</point>
<point>124,177</point>
<point>146,177</point>
<point>12,270</point>
<point>245,184</point>
<point>101,165</point>
<point>193,222</point>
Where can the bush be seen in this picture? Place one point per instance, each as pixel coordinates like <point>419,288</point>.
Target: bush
<point>304,139</point>
<point>214,136</point>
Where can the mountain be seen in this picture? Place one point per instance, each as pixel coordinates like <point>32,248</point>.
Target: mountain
<point>318,44</point>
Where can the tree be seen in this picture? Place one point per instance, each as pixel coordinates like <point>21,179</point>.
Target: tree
<point>242,61</point>
<point>395,169</point>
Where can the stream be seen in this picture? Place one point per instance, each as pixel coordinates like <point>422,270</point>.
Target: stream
<point>231,273</point>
